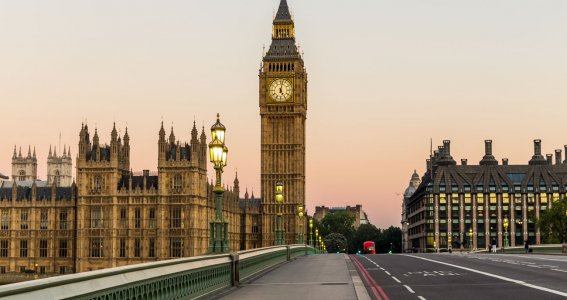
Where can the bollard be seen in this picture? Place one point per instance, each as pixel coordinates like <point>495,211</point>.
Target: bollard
<point>235,269</point>
<point>288,249</point>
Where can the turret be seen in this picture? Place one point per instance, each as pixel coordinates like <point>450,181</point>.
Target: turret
<point>161,143</point>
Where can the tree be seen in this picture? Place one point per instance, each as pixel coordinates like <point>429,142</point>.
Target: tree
<point>335,242</point>
<point>553,222</point>
<point>337,222</point>
<point>391,240</point>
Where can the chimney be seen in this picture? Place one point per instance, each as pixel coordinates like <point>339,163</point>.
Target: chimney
<point>537,158</point>
<point>463,161</point>
<point>488,158</point>
<point>428,164</point>
<point>488,147</point>
<point>558,156</point>
<point>504,161</point>
<point>447,147</point>
<point>537,147</point>
<point>549,158</point>
<point>565,161</point>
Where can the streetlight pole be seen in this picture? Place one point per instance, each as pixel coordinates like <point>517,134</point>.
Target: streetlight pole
<point>218,153</point>
<point>310,231</point>
<point>279,217</point>
<point>506,224</point>
<point>300,214</point>
<point>316,237</point>
<point>470,239</point>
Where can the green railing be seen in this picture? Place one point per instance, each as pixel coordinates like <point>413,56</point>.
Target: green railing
<point>170,279</point>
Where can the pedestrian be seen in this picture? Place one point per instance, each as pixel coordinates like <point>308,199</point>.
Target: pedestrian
<point>493,246</point>
<point>527,246</point>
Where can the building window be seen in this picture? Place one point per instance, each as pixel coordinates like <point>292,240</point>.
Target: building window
<point>42,248</point>
<point>61,269</point>
<point>22,269</point>
<point>24,219</point>
<point>175,217</point>
<point>3,270</point>
<point>152,218</point>
<point>4,246</point>
<point>62,248</point>
<point>123,217</point>
<point>176,246</point>
<point>137,217</point>
<point>122,247</point>
<point>152,248</point>
<point>96,247</point>
<point>43,219</point>
<point>177,182</point>
<point>97,184</point>
<point>42,270</point>
<point>5,219</point>
<point>57,178</point>
<point>137,247</point>
<point>96,217</point>
<point>63,220</point>
<point>22,176</point>
<point>23,248</point>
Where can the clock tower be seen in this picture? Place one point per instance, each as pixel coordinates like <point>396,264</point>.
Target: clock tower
<point>283,111</point>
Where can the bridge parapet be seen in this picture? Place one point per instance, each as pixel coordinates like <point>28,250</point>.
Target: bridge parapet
<point>176,278</point>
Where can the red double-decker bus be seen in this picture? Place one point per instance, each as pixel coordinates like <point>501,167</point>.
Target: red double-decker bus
<point>369,247</point>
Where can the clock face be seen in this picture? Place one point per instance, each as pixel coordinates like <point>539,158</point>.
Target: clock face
<point>280,90</point>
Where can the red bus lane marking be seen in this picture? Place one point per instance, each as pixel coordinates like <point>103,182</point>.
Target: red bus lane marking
<point>371,280</point>
<point>359,267</point>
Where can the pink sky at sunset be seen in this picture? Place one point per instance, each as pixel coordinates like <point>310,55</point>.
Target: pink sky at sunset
<point>384,78</point>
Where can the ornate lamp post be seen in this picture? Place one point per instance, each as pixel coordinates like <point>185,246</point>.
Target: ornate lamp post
<point>450,242</point>
<point>310,231</point>
<point>506,224</point>
<point>279,219</point>
<point>300,215</point>
<point>218,153</point>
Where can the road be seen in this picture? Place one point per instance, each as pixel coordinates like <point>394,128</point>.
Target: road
<point>463,276</point>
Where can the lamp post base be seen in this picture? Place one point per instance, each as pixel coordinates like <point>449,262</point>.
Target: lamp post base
<point>219,237</point>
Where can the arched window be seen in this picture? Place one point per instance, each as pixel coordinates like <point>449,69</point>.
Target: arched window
<point>57,178</point>
<point>97,184</point>
<point>22,176</point>
<point>177,182</point>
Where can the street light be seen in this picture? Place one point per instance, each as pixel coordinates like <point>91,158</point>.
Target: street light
<point>506,224</point>
<point>279,219</point>
<point>310,231</point>
<point>316,237</point>
<point>470,239</point>
<point>218,153</point>
<point>300,215</point>
<point>450,242</point>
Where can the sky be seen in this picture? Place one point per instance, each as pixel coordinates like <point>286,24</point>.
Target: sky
<point>385,78</point>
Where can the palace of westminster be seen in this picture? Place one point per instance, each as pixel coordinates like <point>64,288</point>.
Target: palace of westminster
<point>108,216</point>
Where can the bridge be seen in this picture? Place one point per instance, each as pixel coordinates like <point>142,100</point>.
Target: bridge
<point>295,272</point>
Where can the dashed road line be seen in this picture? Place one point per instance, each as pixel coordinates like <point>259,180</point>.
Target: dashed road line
<point>409,289</point>
<point>396,279</point>
<point>541,288</point>
<point>420,297</point>
<point>388,273</point>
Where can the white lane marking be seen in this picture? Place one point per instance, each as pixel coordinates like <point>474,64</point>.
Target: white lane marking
<point>382,269</point>
<point>532,257</point>
<point>388,273</point>
<point>409,289</point>
<point>559,270</point>
<point>541,288</point>
<point>421,298</point>
<point>396,279</point>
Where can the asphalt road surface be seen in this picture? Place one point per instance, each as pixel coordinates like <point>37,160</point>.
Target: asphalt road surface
<point>463,276</point>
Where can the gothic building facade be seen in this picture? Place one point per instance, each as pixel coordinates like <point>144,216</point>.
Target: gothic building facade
<point>60,167</point>
<point>468,204</point>
<point>283,111</point>
<point>24,168</point>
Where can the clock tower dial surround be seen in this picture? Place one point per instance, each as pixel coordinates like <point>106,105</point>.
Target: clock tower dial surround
<point>283,112</point>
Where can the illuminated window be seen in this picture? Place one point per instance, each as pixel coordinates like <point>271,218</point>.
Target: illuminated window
<point>543,198</point>
<point>480,198</point>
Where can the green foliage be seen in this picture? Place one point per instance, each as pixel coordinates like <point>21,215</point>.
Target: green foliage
<point>335,242</point>
<point>553,222</point>
<point>338,222</point>
<point>365,232</point>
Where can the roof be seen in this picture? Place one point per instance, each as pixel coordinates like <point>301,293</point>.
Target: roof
<point>26,183</point>
<point>138,181</point>
<point>2,176</point>
<point>283,14</point>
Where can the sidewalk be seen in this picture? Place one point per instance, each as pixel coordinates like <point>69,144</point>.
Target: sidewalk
<point>321,276</point>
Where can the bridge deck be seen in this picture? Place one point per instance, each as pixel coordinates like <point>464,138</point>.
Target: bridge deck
<point>324,276</point>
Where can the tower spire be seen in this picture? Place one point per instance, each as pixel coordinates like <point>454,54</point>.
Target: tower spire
<point>283,12</point>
